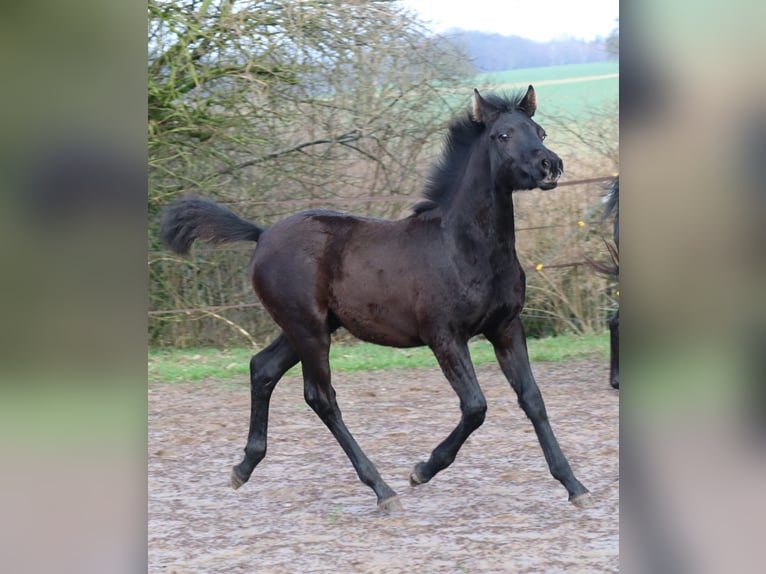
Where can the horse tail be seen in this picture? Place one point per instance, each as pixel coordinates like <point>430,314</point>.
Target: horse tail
<point>191,218</point>
<point>607,267</point>
<point>611,205</point>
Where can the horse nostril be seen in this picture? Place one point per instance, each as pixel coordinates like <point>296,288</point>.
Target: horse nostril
<point>546,164</point>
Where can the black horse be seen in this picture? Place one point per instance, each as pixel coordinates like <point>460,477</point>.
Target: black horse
<point>446,273</point>
<point>612,206</point>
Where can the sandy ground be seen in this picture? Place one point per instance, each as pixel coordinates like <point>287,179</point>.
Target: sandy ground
<point>496,509</point>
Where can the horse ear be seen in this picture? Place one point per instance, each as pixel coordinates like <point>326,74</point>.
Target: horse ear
<point>482,109</point>
<point>529,103</point>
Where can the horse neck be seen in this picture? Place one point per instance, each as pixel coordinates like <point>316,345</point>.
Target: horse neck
<point>478,210</point>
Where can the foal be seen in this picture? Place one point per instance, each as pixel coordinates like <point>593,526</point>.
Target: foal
<point>437,278</point>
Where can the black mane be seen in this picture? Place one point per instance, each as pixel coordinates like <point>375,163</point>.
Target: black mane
<point>463,132</point>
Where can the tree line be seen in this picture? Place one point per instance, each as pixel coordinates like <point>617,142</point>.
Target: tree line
<point>495,52</point>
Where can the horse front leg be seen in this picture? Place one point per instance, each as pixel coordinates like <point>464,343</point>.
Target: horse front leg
<point>455,362</point>
<point>510,346</point>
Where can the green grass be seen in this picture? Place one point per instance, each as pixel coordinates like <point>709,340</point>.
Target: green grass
<point>198,364</point>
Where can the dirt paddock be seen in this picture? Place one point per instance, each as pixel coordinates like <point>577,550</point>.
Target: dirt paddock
<point>496,509</point>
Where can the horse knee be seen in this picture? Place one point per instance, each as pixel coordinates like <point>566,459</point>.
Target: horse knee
<point>312,398</point>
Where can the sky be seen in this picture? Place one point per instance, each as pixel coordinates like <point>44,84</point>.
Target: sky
<point>540,20</point>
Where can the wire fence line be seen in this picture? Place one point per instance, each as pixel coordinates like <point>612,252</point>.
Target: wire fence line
<point>207,310</point>
<point>215,308</point>
<point>378,199</point>
<point>204,309</point>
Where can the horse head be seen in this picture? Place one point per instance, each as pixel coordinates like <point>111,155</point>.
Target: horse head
<point>518,158</point>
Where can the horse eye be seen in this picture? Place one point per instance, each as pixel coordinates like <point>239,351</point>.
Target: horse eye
<point>542,137</point>
<point>503,137</point>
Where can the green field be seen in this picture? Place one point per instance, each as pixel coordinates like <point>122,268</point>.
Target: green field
<point>525,76</point>
<point>198,364</point>
<point>561,90</point>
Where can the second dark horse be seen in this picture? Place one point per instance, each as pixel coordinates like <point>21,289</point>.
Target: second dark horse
<point>437,278</point>
<point>612,207</point>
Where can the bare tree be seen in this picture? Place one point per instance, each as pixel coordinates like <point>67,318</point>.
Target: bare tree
<point>290,92</point>
<point>590,140</point>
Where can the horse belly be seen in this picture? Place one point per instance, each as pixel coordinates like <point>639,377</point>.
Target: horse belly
<point>385,321</point>
<point>377,327</point>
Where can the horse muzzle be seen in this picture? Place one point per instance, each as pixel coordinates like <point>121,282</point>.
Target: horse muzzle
<point>551,168</point>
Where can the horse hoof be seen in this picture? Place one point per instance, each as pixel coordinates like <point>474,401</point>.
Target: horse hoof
<point>584,500</point>
<point>392,504</point>
<point>415,477</point>
<point>236,479</point>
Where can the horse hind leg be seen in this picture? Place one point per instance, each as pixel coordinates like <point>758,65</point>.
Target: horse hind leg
<point>266,368</point>
<point>320,396</point>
